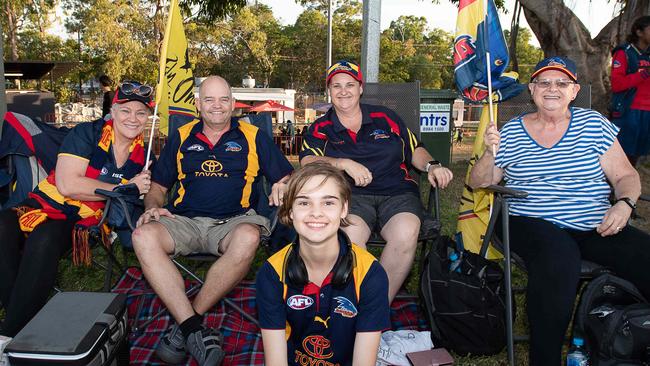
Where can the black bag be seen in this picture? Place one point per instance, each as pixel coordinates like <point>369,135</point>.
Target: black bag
<point>74,328</point>
<point>466,307</point>
<point>614,319</point>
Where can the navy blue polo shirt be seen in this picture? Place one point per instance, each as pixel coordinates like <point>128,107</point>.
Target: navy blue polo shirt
<point>321,322</point>
<point>383,144</point>
<point>218,181</point>
<point>81,142</point>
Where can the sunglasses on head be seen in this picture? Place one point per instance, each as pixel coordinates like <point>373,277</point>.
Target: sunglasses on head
<point>130,88</point>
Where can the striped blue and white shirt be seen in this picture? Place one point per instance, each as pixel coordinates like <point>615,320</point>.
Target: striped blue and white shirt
<point>565,183</point>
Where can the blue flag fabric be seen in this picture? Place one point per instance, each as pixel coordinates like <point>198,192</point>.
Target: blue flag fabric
<point>478,31</point>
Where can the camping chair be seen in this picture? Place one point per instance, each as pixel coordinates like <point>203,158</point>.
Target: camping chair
<point>429,227</point>
<point>588,270</point>
<point>28,151</point>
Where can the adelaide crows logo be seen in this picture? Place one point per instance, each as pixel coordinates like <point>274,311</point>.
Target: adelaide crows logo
<point>379,134</point>
<point>233,146</point>
<point>345,307</point>
<point>464,49</point>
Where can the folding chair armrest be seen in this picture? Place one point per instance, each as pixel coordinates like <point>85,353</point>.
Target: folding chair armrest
<point>433,205</point>
<point>504,191</point>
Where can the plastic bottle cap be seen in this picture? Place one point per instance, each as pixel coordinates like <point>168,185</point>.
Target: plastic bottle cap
<point>453,256</point>
<point>578,342</point>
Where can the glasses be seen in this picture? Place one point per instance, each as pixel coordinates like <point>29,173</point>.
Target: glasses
<point>130,88</point>
<point>560,83</point>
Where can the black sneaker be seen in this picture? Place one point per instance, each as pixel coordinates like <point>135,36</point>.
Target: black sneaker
<point>205,346</point>
<point>171,349</point>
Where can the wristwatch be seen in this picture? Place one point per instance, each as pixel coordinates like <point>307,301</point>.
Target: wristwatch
<point>628,201</point>
<point>430,164</point>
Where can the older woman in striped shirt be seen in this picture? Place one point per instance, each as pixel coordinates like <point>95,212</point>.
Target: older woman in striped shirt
<point>565,158</point>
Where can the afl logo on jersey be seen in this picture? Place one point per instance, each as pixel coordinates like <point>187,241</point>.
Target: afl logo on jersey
<point>299,302</point>
<point>196,147</point>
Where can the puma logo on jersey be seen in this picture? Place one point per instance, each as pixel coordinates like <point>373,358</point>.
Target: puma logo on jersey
<point>320,320</point>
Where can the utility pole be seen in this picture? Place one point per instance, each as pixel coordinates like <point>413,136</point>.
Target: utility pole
<point>3,94</point>
<point>370,40</point>
<point>329,43</point>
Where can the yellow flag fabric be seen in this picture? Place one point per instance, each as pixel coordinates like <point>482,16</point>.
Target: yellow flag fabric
<point>175,91</point>
<point>475,205</point>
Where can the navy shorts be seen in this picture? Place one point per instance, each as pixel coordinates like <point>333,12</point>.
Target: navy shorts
<point>376,210</point>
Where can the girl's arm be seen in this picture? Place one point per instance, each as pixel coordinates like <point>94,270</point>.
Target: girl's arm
<point>366,345</point>
<point>275,347</point>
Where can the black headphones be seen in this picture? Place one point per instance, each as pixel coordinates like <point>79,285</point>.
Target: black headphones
<point>296,272</point>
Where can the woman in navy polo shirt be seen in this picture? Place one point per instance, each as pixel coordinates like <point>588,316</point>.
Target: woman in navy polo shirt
<point>321,299</point>
<point>373,146</point>
<point>52,220</point>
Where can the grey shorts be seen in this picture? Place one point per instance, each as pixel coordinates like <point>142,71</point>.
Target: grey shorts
<point>377,210</point>
<point>204,234</point>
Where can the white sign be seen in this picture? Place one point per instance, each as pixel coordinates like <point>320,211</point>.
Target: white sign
<point>434,117</point>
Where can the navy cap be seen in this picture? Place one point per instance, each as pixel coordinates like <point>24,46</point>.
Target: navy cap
<point>558,63</point>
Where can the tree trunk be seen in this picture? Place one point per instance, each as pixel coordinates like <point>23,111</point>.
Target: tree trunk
<point>561,33</point>
<point>12,26</point>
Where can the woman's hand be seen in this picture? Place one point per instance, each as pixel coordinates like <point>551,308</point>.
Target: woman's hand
<point>153,214</point>
<point>361,175</point>
<point>492,139</point>
<point>615,219</point>
<point>143,181</point>
<point>439,176</point>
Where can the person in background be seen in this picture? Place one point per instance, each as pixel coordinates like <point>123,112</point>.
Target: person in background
<point>321,297</point>
<point>44,227</point>
<point>375,149</point>
<point>565,158</point>
<point>630,78</point>
<point>107,94</point>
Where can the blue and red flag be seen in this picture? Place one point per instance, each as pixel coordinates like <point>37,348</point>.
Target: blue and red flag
<point>478,31</point>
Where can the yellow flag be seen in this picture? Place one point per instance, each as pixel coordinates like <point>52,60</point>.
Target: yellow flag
<point>175,91</point>
<point>474,211</point>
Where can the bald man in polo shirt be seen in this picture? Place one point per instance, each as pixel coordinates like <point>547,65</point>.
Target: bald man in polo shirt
<point>221,162</point>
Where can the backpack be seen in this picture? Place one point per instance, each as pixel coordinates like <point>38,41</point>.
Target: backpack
<point>465,307</point>
<point>622,101</point>
<point>614,319</point>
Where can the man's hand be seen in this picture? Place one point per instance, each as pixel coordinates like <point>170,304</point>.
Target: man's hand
<point>439,176</point>
<point>615,219</point>
<point>361,175</point>
<point>153,214</point>
<point>277,192</point>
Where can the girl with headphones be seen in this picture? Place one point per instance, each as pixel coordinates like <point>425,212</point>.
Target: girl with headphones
<point>321,299</point>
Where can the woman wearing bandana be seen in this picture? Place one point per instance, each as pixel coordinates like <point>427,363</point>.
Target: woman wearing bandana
<point>36,233</point>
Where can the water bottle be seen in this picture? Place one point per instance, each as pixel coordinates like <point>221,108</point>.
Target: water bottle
<point>577,355</point>
<point>454,264</point>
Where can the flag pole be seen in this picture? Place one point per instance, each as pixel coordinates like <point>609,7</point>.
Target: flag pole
<point>488,63</point>
<point>161,72</point>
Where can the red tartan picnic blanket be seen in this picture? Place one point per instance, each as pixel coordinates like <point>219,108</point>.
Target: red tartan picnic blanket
<point>242,339</point>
